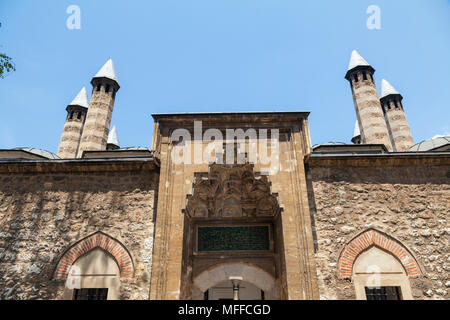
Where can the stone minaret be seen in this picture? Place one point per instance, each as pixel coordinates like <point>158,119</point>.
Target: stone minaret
<point>398,126</point>
<point>73,128</point>
<point>98,119</point>
<point>370,116</point>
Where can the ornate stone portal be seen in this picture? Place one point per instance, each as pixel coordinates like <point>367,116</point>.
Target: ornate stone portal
<point>233,196</point>
<point>232,217</point>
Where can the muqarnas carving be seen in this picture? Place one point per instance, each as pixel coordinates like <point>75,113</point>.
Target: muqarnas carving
<point>231,191</point>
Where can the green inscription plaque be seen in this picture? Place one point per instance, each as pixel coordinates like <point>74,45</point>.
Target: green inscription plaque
<point>251,238</point>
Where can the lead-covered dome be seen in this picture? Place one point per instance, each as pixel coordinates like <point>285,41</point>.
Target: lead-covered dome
<point>435,144</point>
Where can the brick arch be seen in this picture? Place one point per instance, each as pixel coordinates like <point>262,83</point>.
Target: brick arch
<point>371,238</point>
<point>94,241</point>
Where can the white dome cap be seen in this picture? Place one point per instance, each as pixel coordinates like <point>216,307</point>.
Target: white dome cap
<point>357,61</point>
<point>387,89</point>
<point>107,71</point>
<point>356,131</point>
<point>112,137</point>
<point>81,99</point>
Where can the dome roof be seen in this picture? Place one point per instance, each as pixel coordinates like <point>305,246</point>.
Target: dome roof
<point>135,149</point>
<point>430,145</point>
<point>39,152</point>
<point>329,144</point>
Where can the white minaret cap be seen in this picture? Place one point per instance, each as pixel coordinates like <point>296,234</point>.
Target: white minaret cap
<point>81,99</point>
<point>107,71</point>
<point>112,137</point>
<point>357,61</point>
<point>356,131</point>
<point>387,89</point>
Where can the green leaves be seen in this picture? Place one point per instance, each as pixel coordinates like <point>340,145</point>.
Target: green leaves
<point>6,65</point>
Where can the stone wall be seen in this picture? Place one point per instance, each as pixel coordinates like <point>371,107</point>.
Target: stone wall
<point>409,204</point>
<point>44,214</point>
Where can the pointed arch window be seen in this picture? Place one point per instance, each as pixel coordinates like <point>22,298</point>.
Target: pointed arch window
<point>96,262</point>
<point>375,262</point>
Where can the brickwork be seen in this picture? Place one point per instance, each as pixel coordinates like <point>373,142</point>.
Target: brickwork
<point>97,240</point>
<point>371,238</point>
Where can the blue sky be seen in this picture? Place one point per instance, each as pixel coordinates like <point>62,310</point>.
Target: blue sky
<point>217,56</point>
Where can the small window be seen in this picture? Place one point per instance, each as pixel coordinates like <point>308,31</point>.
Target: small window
<point>90,294</point>
<point>79,115</point>
<point>355,77</point>
<point>365,76</point>
<point>383,293</point>
<point>98,87</point>
<point>108,87</point>
<point>388,105</point>
<point>71,115</point>
<point>396,104</point>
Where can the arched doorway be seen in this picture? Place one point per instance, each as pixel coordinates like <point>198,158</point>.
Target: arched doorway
<point>234,280</point>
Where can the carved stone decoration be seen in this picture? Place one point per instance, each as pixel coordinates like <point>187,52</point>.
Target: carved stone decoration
<point>231,191</point>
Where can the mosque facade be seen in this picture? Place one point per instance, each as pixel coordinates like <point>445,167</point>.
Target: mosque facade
<point>228,206</point>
